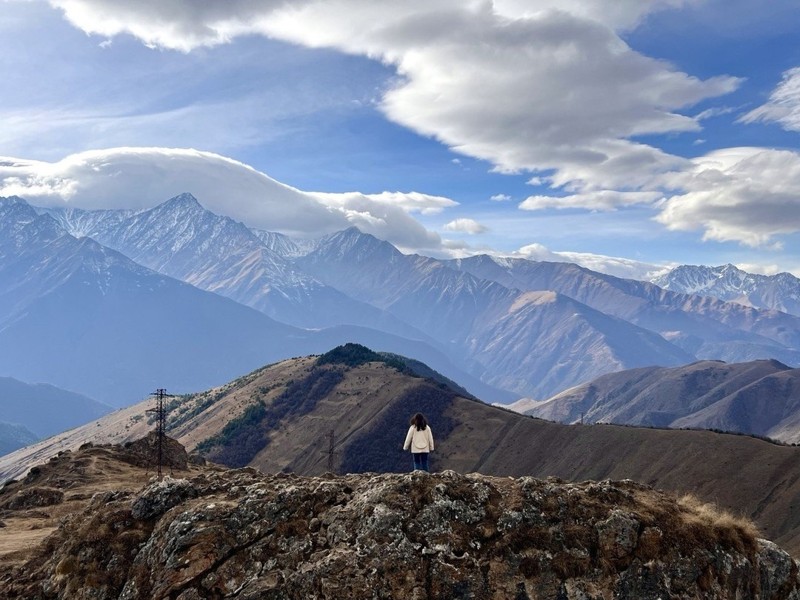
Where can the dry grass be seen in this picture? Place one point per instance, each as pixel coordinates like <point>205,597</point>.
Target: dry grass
<point>726,526</point>
<point>99,471</point>
<point>18,538</point>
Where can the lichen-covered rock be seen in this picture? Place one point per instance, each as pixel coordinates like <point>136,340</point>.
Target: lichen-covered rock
<point>617,536</point>
<point>158,498</point>
<point>778,571</point>
<point>244,535</point>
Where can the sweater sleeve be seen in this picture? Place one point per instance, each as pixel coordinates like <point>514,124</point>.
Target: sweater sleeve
<point>407,443</point>
<point>430,438</point>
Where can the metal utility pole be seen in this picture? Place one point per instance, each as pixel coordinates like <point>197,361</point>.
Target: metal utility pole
<point>161,417</point>
<point>330,451</point>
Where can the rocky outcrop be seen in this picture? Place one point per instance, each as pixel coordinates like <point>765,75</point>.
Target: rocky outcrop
<point>33,497</point>
<point>242,534</point>
<point>144,452</point>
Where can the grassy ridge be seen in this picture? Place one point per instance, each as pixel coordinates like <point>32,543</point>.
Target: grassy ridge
<point>353,355</point>
<point>245,436</point>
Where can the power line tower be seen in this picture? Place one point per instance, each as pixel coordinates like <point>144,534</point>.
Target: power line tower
<point>160,413</point>
<point>330,451</point>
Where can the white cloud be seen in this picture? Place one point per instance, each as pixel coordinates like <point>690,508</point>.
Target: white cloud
<point>500,198</point>
<point>534,85</point>
<point>611,265</point>
<point>759,268</point>
<point>590,93</point>
<point>143,177</point>
<point>469,226</point>
<point>179,24</point>
<point>618,14</point>
<point>747,195</point>
<point>546,86</point>
<point>119,124</point>
<point>536,251</point>
<point>188,24</point>
<point>783,106</point>
<point>617,266</point>
<point>710,113</point>
<point>599,200</point>
<point>538,180</point>
<point>411,202</point>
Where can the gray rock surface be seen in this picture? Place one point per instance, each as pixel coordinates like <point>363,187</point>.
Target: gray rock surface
<point>242,534</point>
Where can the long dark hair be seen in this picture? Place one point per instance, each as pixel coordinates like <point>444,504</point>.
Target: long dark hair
<point>419,421</point>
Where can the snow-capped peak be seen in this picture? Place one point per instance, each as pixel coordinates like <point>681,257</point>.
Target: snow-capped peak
<point>183,201</point>
<point>728,282</point>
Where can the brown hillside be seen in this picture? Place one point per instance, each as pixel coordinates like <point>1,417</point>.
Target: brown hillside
<point>282,416</point>
<point>760,397</point>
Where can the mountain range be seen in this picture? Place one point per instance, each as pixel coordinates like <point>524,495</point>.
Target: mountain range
<point>463,301</point>
<point>726,282</point>
<point>702,326</point>
<point>181,239</point>
<point>39,410</point>
<point>84,317</point>
<point>760,397</point>
<point>13,437</point>
<point>177,296</point>
<point>81,316</point>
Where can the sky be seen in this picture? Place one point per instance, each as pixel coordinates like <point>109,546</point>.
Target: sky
<point>625,135</point>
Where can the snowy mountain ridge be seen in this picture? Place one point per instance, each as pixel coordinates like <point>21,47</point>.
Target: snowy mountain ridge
<point>729,283</point>
<point>85,223</point>
<point>181,239</point>
<point>283,245</point>
<point>530,328</point>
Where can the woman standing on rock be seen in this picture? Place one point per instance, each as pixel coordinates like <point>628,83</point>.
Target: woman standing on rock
<point>420,439</point>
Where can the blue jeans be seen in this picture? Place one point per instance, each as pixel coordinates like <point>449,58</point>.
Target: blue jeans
<point>420,461</point>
